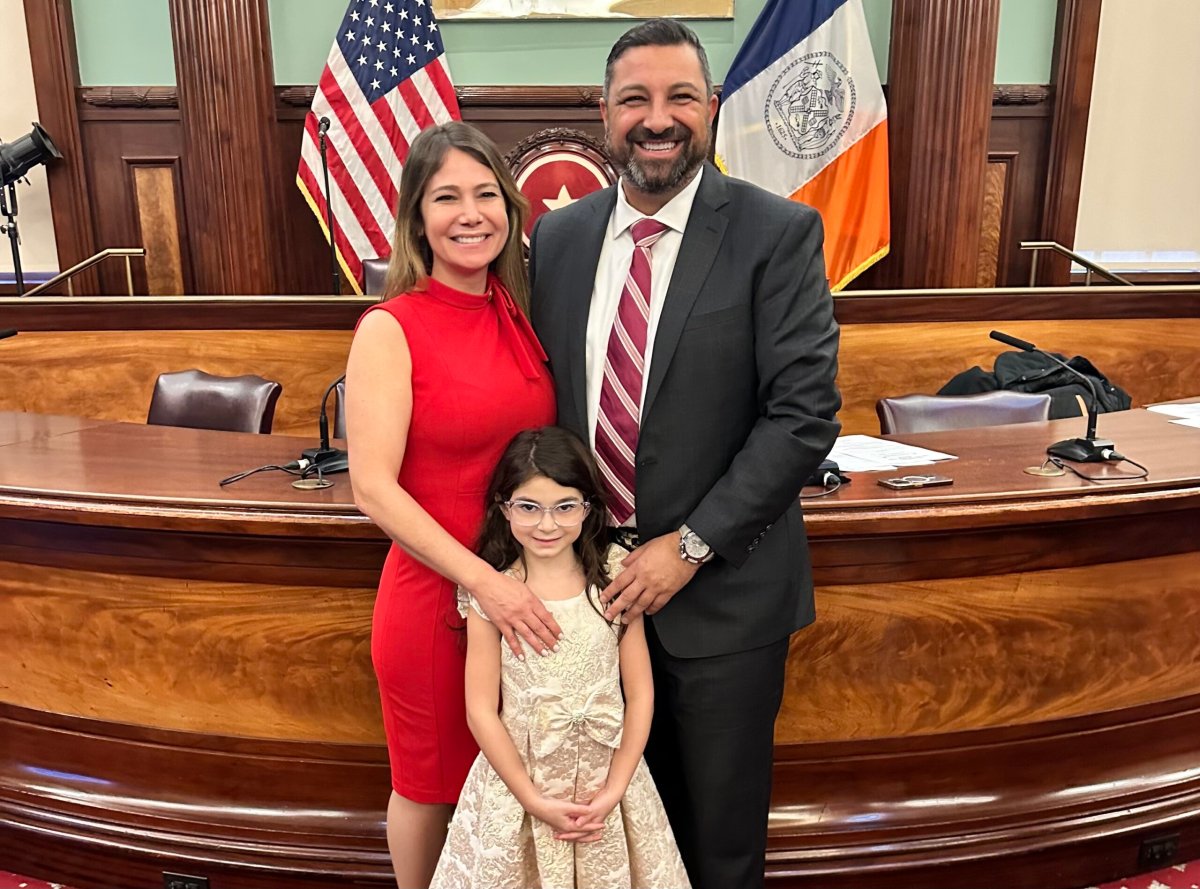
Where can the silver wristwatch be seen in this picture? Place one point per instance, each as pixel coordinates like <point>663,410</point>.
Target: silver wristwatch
<point>692,548</point>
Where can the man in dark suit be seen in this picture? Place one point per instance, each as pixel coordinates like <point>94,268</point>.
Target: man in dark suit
<point>690,330</point>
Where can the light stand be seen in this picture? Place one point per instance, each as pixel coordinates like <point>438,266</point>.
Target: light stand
<point>17,159</point>
<point>8,209</point>
<point>322,129</point>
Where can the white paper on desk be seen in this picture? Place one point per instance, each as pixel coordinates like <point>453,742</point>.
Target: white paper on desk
<point>1194,422</point>
<point>865,453</point>
<point>1189,411</point>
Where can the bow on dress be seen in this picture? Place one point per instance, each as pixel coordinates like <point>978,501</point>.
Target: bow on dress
<point>555,716</point>
<point>530,354</point>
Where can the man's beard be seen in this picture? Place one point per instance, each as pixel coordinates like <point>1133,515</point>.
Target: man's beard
<point>655,178</point>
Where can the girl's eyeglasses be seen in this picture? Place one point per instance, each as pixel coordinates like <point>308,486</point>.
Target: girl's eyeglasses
<point>528,513</point>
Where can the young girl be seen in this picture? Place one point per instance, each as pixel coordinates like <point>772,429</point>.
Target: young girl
<point>560,795</point>
<point>441,376</point>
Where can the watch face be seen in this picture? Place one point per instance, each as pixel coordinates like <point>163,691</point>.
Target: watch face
<point>696,548</point>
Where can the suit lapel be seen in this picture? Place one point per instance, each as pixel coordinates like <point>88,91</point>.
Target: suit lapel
<point>582,279</point>
<point>701,241</point>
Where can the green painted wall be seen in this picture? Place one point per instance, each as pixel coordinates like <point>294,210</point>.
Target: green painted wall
<point>124,42</point>
<point>128,42</point>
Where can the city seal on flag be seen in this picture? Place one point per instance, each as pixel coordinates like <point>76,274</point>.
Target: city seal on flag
<point>810,106</point>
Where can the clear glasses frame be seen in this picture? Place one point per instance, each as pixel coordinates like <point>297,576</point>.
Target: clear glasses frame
<point>528,513</point>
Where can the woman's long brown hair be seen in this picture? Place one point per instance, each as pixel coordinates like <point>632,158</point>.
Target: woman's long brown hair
<point>412,260</point>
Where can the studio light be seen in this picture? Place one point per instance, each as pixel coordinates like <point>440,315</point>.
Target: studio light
<point>18,158</point>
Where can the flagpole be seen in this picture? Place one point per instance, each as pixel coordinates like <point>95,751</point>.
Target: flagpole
<point>322,129</point>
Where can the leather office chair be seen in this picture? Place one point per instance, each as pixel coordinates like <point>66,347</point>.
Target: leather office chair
<point>339,410</point>
<point>197,400</point>
<point>931,413</point>
<point>374,276</point>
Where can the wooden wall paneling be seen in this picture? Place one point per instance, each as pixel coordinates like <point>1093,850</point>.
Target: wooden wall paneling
<point>1056,643</point>
<point>1019,126</point>
<point>1152,359</point>
<point>942,63</point>
<point>157,200</point>
<point>225,75</point>
<point>110,374</point>
<point>104,644</point>
<point>120,138</point>
<point>996,194</point>
<point>55,76</point>
<point>1021,131</point>
<point>1077,33</point>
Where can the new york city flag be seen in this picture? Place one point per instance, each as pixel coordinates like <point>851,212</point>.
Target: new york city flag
<point>803,116</point>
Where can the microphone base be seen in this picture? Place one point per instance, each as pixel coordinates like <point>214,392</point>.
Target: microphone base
<point>1083,450</point>
<point>329,460</point>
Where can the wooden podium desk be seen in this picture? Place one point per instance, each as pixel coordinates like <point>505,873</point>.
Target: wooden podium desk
<point>1002,687</point>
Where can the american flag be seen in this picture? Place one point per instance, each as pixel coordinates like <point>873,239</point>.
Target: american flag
<point>384,82</point>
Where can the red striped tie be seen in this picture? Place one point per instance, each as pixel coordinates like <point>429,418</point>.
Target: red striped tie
<point>620,415</point>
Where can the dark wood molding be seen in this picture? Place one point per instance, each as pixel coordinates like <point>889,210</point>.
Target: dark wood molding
<point>301,96</point>
<point>917,306</point>
<point>938,132</point>
<point>1076,35</point>
<point>341,313</point>
<point>55,63</point>
<point>1020,93</point>
<point>130,96</point>
<point>225,73</point>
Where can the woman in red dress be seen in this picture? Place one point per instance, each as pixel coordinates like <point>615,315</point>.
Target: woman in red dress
<point>440,376</point>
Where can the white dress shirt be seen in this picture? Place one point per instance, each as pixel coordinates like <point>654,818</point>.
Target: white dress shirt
<point>611,272</point>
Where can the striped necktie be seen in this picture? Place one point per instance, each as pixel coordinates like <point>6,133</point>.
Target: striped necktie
<point>619,419</point>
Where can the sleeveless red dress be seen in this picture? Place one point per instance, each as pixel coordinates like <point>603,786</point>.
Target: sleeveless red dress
<point>478,378</point>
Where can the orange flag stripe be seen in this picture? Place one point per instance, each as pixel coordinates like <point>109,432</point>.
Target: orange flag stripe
<point>855,211</point>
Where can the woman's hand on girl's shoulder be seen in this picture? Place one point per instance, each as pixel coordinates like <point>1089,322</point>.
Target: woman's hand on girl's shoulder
<point>518,614</point>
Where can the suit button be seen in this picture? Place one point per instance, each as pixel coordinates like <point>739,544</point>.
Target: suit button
<point>752,547</point>
<point>769,527</point>
<point>646,461</point>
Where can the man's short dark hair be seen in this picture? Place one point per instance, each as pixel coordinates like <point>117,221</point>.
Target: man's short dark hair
<point>658,32</point>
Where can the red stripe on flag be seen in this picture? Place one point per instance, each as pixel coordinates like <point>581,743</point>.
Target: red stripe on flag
<point>349,188</point>
<point>445,89</point>
<point>416,104</point>
<point>344,107</point>
<point>391,128</point>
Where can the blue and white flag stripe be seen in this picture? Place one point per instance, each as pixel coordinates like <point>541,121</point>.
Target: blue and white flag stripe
<point>775,33</point>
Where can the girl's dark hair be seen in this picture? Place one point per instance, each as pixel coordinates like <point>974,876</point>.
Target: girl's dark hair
<point>560,456</point>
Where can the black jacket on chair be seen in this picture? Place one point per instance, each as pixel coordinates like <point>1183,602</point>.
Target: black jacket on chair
<point>1031,372</point>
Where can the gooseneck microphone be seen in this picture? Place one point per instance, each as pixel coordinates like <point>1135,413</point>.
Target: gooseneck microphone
<point>325,458</point>
<point>1088,449</point>
<point>322,134</point>
<point>6,333</point>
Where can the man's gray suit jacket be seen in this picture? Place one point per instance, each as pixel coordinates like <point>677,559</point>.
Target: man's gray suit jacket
<point>740,406</point>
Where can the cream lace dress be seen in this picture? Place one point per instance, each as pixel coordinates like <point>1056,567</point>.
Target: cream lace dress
<point>564,714</point>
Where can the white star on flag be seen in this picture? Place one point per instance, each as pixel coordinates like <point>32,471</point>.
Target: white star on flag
<point>564,199</point>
